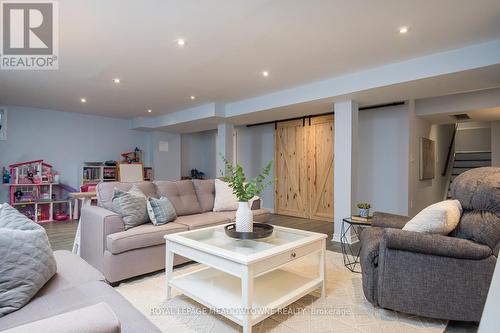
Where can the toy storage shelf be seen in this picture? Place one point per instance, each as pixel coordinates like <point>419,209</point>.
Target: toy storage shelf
<point>40,202</point>
<point>21,185</point>
<point>94,174</point>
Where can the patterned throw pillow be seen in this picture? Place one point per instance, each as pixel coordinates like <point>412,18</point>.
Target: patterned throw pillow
<point>131,206</point>
<point>161,210</point>
<point>26,259</point>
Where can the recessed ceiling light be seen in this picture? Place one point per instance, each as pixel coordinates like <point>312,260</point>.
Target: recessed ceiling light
<point>265,73</point>
<point>149,110</point>
<point>83,100</point>
<point>192,97</point>
<point>181,42</point>
<point>116,80</point>
<point>404,30</point>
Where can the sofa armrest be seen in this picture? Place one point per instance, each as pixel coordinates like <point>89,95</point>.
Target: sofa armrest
<point>433,244</point>
<point>96,224</point>
<point>387,220</point>
<point>97,318</point>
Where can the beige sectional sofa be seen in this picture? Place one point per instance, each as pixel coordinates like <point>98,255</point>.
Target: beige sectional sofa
<point>76,299</point>
<point>120,254</point>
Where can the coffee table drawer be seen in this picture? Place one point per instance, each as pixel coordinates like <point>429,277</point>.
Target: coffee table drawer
<point>275,261</point>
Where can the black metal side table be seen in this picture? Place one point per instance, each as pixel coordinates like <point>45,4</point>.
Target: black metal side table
<point>351,256</point>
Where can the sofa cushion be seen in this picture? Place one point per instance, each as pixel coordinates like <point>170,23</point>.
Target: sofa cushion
<point>101,316</point>
<point>90,293</point>
<point>181,194</point>
<point>198,221</point>
<point>478,189</point>
<point>161,210</point>
<point>141,236</point>
<point>71,272</point>
<point>439,218</point>
<point>205,191</point>
<point>131,206</point>
<point>479,226</point>
<point>26,259</point>
<point>105,191</point>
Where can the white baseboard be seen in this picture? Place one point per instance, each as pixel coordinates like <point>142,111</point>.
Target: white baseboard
<point>350,240</point>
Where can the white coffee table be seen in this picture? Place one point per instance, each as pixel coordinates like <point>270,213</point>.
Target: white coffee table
<point>245,280</point>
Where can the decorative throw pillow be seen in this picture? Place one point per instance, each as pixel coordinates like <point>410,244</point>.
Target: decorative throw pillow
<point>26,259</point>
<point>224,198</point>
<point>161,210</point>
<point>439,218</point>
<point>131,206</point>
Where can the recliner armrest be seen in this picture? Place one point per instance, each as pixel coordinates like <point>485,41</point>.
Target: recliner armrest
<point>97,318</point>
<point>388,220</point>
<point>434,244</point>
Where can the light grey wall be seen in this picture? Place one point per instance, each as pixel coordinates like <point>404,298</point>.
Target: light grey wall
<point>66,140</point>
<point>255,148</point>
<point>495,143</point>
<point>423,193</point>
<point>473,139</point>
<point>383,159</point>
<point>198,152</point>
<point>166,164</point>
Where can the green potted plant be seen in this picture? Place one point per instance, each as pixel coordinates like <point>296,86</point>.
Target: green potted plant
<point>245,190</point>
<point>364,209</point>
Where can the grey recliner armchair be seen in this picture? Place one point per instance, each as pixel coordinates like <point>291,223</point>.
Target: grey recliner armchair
<point>445,277</point>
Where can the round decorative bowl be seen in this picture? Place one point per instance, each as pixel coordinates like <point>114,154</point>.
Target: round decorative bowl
<point>260,230</point>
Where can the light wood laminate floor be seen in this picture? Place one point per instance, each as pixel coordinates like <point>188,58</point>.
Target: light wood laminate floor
<point>62,234</point>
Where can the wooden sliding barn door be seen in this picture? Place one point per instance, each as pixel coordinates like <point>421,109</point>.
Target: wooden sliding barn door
<point>291,169</point>
<point>304,168</point>
<point>320,168</point>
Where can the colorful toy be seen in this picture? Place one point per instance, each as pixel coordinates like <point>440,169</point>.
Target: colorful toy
<point>132,156</point>
<point>34,194</point>
<point>32,172</point>
<point>5,176</point>
<point>61,217</point>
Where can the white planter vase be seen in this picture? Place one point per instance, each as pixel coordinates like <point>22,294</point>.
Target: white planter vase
<point>244,217</point>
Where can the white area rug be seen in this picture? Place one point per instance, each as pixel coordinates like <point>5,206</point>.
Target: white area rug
<point>344,309</point>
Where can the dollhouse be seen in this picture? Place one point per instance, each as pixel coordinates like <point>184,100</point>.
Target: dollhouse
<point>35,192</point>
<point>32,172</point>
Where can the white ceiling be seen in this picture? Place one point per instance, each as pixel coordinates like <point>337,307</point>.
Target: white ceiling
<point>228,44</point>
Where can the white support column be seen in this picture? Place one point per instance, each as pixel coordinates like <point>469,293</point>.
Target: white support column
<point>224,146</point>
<point>345,165</point>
